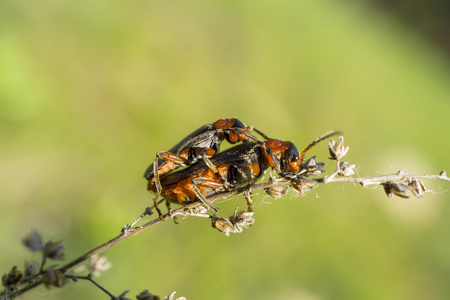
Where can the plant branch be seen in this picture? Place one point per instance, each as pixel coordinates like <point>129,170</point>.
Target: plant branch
<point>89,278</point>
<point>132,230</point>
<point>128,231</point>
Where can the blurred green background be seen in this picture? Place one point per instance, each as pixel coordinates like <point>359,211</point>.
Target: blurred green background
<point>91,90</point>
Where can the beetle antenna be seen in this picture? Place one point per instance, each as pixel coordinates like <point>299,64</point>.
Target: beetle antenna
<point>261,134</point>
<point>320,138</point>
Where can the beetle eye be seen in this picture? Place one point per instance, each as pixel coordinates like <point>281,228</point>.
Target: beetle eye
<point>238,124</point>
<point>292,154</point>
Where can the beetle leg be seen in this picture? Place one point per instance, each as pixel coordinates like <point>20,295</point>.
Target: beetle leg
<point>172,161</point>
<point>248,192</point>
<point>246,173</point>
<point>248,197</point>
<point>219,176</point>
<point>198,181</point>
<point>169,209</point>
<point>158,187</point>
<point>275,160</point>
<point>240,131</point>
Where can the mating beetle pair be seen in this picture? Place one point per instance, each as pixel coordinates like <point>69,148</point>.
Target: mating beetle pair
<point>209,171</point>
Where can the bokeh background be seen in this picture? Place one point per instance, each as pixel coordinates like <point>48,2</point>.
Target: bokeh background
<point>91,90</point>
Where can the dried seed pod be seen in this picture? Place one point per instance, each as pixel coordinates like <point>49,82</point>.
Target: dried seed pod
<point>33,241</point>
<point>301,186</point>
<point>172,297</point>
<point>55,250</point>
<point>337,149</point>
<point>31,268</point>
<point>398,189</point>
<point>98,264</point>
<point>198,210</point>
<point>54,277</point>
<point>276,191</point>
<point>346,169</point>
<point>311,167</point>
<point>146,295</point>
<point>234,223</point>
<point>242,218</point>
<point>224,225</point>
<point>11,279</point>
<point>417,187</point>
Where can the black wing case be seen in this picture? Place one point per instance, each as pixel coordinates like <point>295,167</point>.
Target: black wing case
<point>188,141</point>
<point>234,154</point>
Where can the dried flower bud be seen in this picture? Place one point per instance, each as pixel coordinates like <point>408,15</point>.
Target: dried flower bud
<point>146,295</point>
<point>54,250</point>
<point>98,264</point>
<point>275,191</point>
<point>417,187</point>
<point>31,268</point>
<point>242,218</point>
<point>33,241</point>
<point>301,186</point>
<point>197,210</point>
<point>346,169</point>
<point>337,149</point>
<point>11,279</point>
<point>311,167</point>
<point>224,225</point>
<point>234,223</point>
<point>54,277</point>
<point>172,297</point>
<point>398,189</point>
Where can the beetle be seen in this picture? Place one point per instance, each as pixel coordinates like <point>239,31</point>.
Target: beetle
<point>240,165</point>
<point>201,144</point>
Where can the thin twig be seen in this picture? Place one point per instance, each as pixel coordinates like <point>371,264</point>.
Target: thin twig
<point>376,180</point>
<point>128,231</point>
<point>132,230</point>
<point>89,278</point>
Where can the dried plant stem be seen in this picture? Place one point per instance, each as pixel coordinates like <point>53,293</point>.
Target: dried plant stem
<point>376,180</point>
<point>132,230</point>
<point>89,278</point>
<point>333,175</point>
<point>364,181</point>
<point>129,231</point>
